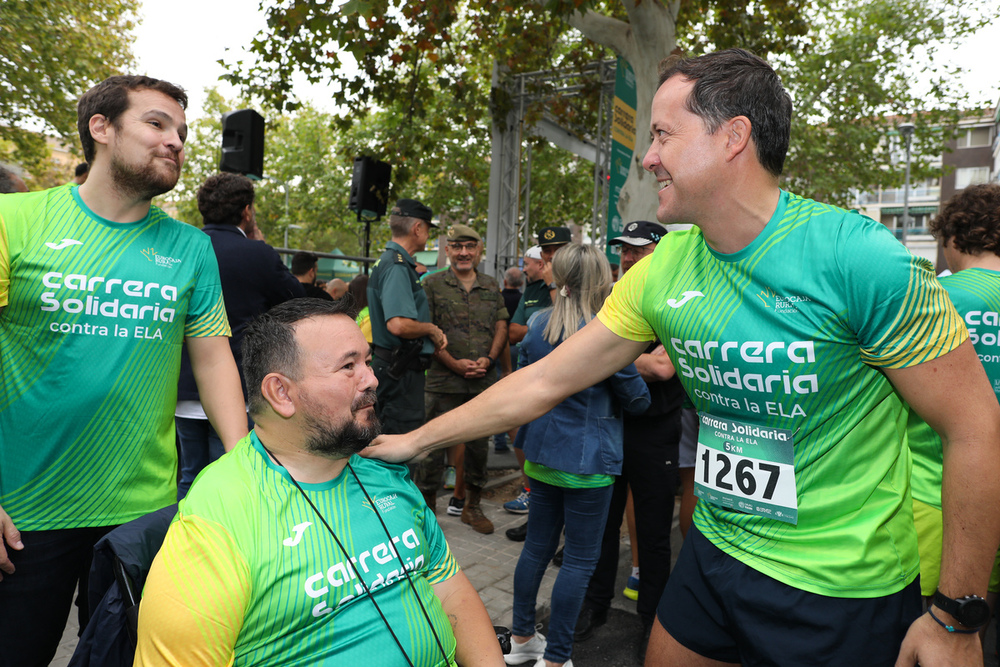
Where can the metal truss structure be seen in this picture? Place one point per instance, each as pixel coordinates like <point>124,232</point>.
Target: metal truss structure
<point>508,230</point>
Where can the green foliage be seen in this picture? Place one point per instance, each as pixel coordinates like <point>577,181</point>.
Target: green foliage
<point>300,155</point>
<point>852,82</point>
<point>51,51</point>
<point>415,78</point>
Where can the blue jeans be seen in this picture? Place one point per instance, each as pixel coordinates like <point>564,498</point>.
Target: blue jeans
<point>200,445</point>
<point>552,507</point>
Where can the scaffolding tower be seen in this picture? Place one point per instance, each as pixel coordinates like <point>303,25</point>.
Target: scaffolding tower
<point>508,227</point>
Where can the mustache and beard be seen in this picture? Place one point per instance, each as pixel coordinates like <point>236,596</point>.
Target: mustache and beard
<point>142,181</point>
<point>338,441</point>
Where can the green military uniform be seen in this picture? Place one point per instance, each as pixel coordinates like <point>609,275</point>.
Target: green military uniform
<point>536,297</point>
<point>468,320</point>
<point>394,291</point>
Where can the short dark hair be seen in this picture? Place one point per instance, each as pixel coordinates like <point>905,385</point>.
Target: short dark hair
<point>971,219</point>
<point>81,168</point>
<point>269,344</point>
<point>302,261</point>
<point>223,197</point>
<point>734,83</point>
<point>7,182</point>
<point>109,98</point>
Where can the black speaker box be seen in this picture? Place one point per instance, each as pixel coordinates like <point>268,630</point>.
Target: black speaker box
<point>243,143</point>
<point>370,186</point>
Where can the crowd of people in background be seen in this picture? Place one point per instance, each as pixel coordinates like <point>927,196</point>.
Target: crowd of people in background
<point>779,366</point>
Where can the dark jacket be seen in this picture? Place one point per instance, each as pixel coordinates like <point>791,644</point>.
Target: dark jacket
<point>254,279</point>
<point>117,575</point>
<point>583,434</point>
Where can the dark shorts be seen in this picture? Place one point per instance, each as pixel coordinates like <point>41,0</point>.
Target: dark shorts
<point>722,609</point>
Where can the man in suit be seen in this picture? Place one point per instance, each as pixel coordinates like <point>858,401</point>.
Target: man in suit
<point>253,280</point>
<point>304,267</point>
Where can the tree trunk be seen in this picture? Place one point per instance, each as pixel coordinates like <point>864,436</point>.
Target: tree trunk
<point>644,41</point>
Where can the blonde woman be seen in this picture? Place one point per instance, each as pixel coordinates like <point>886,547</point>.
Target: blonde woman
<point>571,455</point>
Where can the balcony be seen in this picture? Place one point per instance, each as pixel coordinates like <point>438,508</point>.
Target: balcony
<point>895,196</point>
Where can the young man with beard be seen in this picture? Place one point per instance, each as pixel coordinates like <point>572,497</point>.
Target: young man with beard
<point>98,291</point>
<point>295,551</point>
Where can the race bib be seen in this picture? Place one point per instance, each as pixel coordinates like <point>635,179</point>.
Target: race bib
<point>747,468</point>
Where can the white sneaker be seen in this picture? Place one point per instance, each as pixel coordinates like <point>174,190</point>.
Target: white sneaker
<point>541,663</point>
<point>533,649</point>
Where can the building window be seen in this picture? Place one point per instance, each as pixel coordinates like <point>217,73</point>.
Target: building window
<point>918,223</point>
<point>974,137</point>
<point>967,176</point>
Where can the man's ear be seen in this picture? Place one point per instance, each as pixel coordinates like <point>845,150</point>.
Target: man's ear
<point>101,129</point>
<point>737,136</point>
<point>276,389</point>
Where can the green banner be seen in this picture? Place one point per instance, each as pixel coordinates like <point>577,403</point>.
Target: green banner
<point>622,146</point>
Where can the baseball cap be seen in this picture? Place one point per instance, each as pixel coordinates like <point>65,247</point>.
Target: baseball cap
<point>553,236</point>
<point>463,233</point>
<point>640,233</point>
<point>412,208</point>
<point>534,252</point>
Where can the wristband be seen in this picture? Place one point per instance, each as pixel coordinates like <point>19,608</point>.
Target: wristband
<point>950,628</point>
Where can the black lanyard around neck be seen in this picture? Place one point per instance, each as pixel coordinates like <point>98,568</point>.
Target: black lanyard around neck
<point>395,551</point>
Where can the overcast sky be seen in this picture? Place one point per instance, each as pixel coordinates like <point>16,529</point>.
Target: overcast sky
<point>181,41</point>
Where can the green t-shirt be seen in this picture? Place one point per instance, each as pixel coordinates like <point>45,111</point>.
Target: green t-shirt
<point>566,480</point>
<point>779,347</point>
<point>536,297</point>
<point>248,571</point>
<point>976,295</point>
<point>94,317</point>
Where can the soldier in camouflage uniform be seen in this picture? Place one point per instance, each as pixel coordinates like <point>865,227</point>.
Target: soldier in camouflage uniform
<point>470,310</point>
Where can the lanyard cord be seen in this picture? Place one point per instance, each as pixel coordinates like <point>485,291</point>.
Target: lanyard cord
<point>355,570</point>
<point>406,571</point>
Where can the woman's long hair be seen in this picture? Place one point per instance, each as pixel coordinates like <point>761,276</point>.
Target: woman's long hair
<point>583,281</point>
<point>358,289</point>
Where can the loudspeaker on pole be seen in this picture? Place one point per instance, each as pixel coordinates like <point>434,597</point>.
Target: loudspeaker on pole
<point>369,187</point>
<point>243,143</point>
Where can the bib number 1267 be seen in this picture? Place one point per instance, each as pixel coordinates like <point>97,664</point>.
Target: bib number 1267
<point>746,468</point>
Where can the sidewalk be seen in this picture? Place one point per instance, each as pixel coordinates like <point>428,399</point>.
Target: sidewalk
<point>489,562</point>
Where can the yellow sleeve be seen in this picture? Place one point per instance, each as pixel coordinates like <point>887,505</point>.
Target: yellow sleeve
<point>622,311</point>
<point>4,264</point>
<point>366,329</point>
<point>194,600</point>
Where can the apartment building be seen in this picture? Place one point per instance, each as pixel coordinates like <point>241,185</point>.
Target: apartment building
<point>972,157</point>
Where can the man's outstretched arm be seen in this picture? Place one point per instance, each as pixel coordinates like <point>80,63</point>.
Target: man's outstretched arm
<point>476,642</point>
<point>953,395</point>
<point>591,355</point>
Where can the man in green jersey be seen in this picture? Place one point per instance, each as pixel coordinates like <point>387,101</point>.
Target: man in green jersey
<point>98,291</point>
<point>403,335</point>
<point>292,550</point>
<point>798,330</point>
<point>969,230</point>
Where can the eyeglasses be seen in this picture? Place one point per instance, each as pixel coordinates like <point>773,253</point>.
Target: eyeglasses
<point>463,246</point>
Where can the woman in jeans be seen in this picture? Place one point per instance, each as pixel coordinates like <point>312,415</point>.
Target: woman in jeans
<point>571,455</point>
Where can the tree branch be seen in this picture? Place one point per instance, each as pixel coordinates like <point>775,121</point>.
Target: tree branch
<point>602,29</point>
